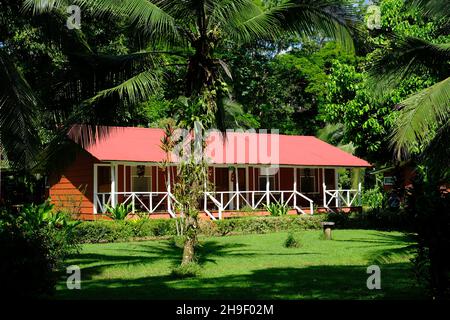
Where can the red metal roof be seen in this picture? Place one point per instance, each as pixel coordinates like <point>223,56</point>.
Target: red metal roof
<point>143,145</point>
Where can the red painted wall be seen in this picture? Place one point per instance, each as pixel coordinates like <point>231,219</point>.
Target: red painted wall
<point>74,188</point>
<point>286,178</point>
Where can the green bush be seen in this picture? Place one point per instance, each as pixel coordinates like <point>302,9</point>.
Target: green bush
<point>153,227</point>
<point>373,198</point>
<point>123,230</point>
<point>110,231</point>
<point>291,241</point>
<point>103,231</point>
<point>267,224</point>
<point>380,219</point>
<point>33,246</point>
<point>341,219</point>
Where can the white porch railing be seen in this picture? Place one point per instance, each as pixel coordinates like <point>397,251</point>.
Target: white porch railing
<point>143,201</point>
<point>220,201</point>
<point>341,198</point>
<point>236,200</point>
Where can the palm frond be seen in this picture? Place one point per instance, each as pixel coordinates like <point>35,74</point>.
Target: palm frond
<point>146,15</point>
<point>437,152</point>
<point>421,113</point>
<point>52,17</point>
<point>18,130</point>
<point>133,90</point>
<point>244,21</point>
<point>332,18</point>
<point>432,8</point>
<point>44,6</point>
<point>410,55</point>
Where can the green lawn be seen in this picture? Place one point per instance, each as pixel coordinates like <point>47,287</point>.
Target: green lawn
<point>250,266</point>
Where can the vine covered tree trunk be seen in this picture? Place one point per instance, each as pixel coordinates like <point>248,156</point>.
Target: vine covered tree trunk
<point>190,241</point>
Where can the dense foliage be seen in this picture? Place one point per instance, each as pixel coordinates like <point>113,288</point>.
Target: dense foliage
<point>34,244</point>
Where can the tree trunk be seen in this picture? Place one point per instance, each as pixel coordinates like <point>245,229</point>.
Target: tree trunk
<point>188,251</point>
<point>191,240</point>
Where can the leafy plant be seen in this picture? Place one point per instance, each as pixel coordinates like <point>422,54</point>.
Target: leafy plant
<point>291,241</point>
<point>119,212</point>
<point>34,243</point>
<point>277,209</point>
<point>36,215</point>
<point>373,198</point>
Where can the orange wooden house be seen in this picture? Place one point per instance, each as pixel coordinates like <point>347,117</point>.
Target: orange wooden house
<point>247,170</point>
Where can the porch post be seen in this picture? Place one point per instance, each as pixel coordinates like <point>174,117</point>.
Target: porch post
<point>116,187</point>
<point>169,206</point>
<point>336,182</point>
<point>267,188</point>
<point>205,187</point>
<point>95,188</point>
<point>113,185</point>
<point>236,170</point>
<point>324,188</point>
<point>295,186</point>
<point>295,179</point>
<point>359,189</point>
<point>168,179</point>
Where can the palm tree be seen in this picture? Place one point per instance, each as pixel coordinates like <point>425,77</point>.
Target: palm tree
<point>18,132</point>
<point>424,116</point>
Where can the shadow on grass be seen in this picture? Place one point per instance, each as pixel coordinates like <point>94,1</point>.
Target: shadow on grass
<point>382,238</point>
<point>313,282</point>
<point>318,282</point>
<point>207,252</point>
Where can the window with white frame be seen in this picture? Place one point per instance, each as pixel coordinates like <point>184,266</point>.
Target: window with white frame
<point>141,179</point>
<point>389,181</point>
<point>308,183</point>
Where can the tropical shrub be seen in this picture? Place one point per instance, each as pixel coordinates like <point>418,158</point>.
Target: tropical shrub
<point>277,209</point>
<point>123,230</point>
<point>34,244</point>
<point>110,231</point>
<point>373,198</point>
<point>103,231</point>
<point>118,212</point>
